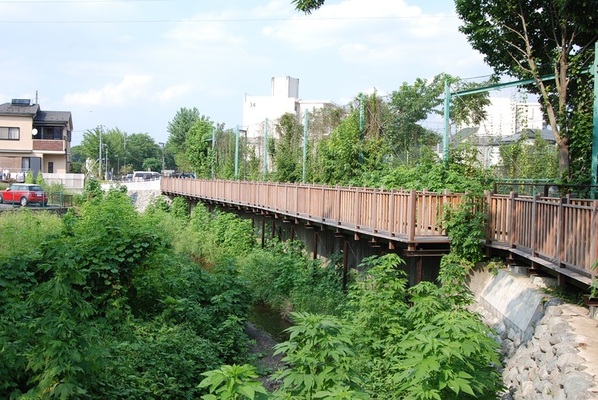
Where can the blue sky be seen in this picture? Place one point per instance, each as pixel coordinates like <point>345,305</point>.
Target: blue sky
<point>132,64</point>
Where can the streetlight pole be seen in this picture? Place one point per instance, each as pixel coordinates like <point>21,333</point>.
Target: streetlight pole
<point>162,145</point>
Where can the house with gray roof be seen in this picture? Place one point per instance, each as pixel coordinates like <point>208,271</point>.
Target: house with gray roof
<point>32,139</point>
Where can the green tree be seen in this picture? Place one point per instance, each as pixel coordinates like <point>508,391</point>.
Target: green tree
<point>178,130</point>
<point>224,153</point>
<point>529,39</point>
<point>412,104</point>
<point>198,147</point>
<point>115,146</point>
<point>287,150</point>
<point>353,148</point>
<point>141,146</point>
<point>77,160</point>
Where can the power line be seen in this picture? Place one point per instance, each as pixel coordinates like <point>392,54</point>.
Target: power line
<point>207,19</point>
<point>77,1</point>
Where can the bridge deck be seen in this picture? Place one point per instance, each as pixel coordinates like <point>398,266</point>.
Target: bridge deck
<point>558,234</point>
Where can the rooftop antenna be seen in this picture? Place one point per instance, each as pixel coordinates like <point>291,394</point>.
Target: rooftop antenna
<point>36,97</point>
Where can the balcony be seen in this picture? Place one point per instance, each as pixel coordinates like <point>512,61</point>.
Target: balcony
<point>49,145</point>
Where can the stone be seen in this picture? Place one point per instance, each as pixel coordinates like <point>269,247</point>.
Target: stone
<point>558,327</point>
<point>527,391</point>
<point>577,385</point>
<point>511,335</point>
<point>564,348</point>
<point>540,331</point>
<point>570,361</point>
<point>545,345</point>
<point>559,394</point>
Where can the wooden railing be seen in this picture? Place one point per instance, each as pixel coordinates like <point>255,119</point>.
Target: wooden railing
<point>563,232</point>
<point>408,216</point>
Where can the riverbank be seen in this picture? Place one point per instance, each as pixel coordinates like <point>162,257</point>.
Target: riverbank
<point>549,348</point>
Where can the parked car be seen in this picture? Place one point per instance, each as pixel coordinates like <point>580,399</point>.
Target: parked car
<point>188,175</point>
<point>140,176</point>
<point>23,194</point>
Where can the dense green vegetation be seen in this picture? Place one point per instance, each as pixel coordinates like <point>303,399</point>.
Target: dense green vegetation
<point>99,304</point>
<point>387,341</point>
<point>108,303</point>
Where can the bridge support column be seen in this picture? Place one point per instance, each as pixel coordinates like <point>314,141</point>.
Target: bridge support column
<point>315,245</point>
<point>263,230</point>
<point>345,263</point>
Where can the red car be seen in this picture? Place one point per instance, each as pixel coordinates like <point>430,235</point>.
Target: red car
<point>24,193</point>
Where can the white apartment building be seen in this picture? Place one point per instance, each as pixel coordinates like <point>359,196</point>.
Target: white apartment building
<point>506,118</point>
<point>283,98</point>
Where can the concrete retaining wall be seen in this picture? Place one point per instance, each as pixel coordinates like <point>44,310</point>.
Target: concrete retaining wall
<point>549,348</point>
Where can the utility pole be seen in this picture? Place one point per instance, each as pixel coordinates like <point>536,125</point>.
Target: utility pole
<point>100,155</point>
<point>106,177</point>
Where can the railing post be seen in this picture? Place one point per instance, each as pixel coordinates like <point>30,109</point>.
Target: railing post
<point>534,224</point>
<point>391,212</point>
<point>308,208</point>
<point>412,213</point>
<point>491,225</point>
<point>511,223</point>
<point>338,204</point>
<point>560,232</point>
<point>323,203</point>
<point>357,210</point>
<point>374,211</point>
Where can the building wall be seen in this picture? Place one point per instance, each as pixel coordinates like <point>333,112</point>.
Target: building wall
<point>256,109</point>
<point>284,98</point>
<point>25,125</point>
<point>506,116</point>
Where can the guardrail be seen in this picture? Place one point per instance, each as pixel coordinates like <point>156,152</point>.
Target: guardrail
<point>560,233</point>
<point>563,231</point>
<point>408,216</point>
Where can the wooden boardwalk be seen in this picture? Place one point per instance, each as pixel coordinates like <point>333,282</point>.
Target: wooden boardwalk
<point>558,234</point>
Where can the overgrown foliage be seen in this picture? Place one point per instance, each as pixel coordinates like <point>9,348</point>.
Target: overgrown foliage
<point>281,276</point>
<point>98,305</point>
<point>390,342</point>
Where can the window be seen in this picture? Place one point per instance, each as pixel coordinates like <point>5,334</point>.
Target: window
<point>8,133</point>
<point>50,167</point>
<point>49,132</point>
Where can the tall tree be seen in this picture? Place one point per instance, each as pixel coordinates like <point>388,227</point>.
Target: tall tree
<point>178,130</point>
<point>532,38</point>
<point>413,104</point>
<point>287,150</point>
<point>198,147</point>
<point>141,146</point>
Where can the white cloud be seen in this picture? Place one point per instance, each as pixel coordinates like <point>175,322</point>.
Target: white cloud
<point>173,92</point>
<point>335,24</point>
<point>206,29</point>
<point>130,88</point>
